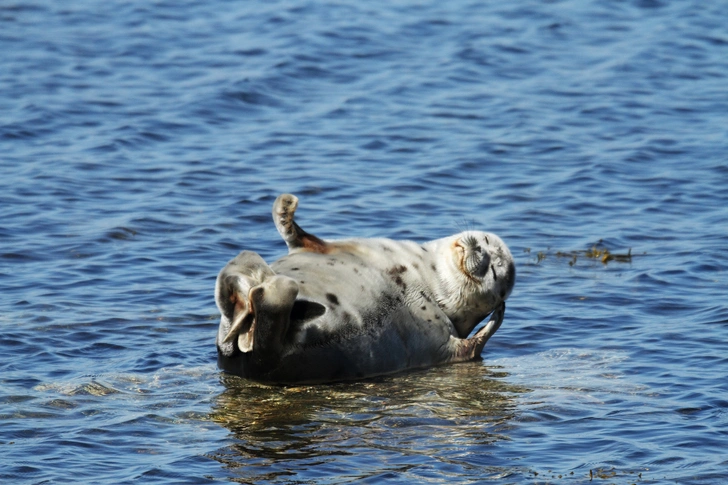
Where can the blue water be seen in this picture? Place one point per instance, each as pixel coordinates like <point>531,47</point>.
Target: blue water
<point>143,143</point>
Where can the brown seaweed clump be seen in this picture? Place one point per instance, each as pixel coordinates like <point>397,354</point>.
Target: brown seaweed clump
<point>597,252</point>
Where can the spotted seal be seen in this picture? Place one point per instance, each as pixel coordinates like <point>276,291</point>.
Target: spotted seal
<point>355,308</point>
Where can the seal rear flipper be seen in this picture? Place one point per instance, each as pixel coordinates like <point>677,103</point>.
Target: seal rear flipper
<point>245,339</point>
<point>471,348</point>
<point>272,303</point>
<point>242,326</point>
<point>246,271</point>
<point>296,238</point>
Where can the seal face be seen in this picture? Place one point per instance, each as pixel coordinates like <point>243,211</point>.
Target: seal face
<point>355,308</point>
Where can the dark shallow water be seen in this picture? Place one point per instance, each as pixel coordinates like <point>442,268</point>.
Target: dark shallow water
<point>143,143</point>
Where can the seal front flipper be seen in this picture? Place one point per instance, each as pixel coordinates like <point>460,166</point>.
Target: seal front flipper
<point>232,295</point>
<point>470,348</point>
<point>296,238</point>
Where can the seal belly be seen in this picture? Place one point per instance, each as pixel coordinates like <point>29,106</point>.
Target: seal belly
<point>384,343</point>
<point>368,326</point>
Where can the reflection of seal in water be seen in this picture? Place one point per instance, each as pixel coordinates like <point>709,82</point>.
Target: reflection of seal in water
<point>339,310</point>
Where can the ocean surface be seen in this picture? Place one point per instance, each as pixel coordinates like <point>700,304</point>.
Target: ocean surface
<point>142,145</point>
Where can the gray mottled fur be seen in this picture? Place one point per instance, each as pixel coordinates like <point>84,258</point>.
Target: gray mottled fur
<point>341,310</point>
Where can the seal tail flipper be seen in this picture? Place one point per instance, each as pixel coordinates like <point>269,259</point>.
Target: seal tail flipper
<point>471,348</point>
<point>296,238</point>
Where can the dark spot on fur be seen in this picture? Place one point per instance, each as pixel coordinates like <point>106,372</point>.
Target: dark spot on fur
<point>302,282</point>
<point>386,248</point>
<point>423,307</point>
<point>416,266</point>
<point>304,311</point>
<point>395,273</point>
<point>332,298</point>
<point>396,270</point>
<point>356,271</point>
<point>346,317</point>
<point>424,249</point>
<point>486,240</point>
<point>295,269</point>
<point>495,277</point>
<point>424,295</point>
<point>434,268</point>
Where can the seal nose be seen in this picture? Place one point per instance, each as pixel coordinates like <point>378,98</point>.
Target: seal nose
<point>483,266</point>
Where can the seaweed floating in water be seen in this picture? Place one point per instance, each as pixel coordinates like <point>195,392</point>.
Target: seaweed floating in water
<point>596,252</point>
<point>605,256</point>
<point>635,476</point>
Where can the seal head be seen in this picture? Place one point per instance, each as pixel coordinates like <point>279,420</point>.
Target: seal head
<point>475,272</point>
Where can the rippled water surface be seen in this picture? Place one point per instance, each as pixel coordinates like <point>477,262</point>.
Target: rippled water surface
<point>143,143</point>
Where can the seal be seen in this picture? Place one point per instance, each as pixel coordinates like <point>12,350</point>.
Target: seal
<point>355,308</point>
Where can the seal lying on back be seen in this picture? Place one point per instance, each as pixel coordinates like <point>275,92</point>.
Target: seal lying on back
<point>340,310</point>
